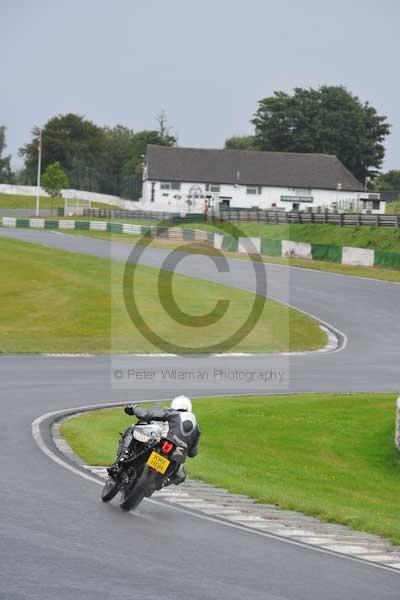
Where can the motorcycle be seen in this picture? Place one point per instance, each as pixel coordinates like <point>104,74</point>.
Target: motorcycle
<point>152,458</point>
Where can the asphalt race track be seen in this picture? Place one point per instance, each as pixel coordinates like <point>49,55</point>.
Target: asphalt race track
<point>57,540</point>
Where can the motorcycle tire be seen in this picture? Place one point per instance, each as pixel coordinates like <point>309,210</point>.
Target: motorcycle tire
<point>110,489</point>
<point>144,486</point>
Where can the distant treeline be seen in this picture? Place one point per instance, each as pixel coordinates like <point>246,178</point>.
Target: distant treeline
<point>328,120</point>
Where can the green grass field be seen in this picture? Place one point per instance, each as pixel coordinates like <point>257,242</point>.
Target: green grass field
<point>331,456</point>
<point>55,301</point>
<point>14,201</point>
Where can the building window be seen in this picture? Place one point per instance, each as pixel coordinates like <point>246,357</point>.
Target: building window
<point>300,191</point>
<point>214,188</point>
<point>253,189</point>
<point>375,205</point>
<point>170,185</point>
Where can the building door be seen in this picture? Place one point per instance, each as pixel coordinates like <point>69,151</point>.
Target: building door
<point>225,203</point>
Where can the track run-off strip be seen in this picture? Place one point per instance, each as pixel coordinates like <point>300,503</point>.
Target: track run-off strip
<point>331,346</point>
<point>205,501</point>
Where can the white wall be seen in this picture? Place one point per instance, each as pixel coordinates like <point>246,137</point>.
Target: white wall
<point>358,256</point>
<point>31,190</point>
<point>175,200</point>
<point>20,190</point>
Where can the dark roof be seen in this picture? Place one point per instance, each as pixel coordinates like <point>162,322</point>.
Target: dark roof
<point>280,169</point>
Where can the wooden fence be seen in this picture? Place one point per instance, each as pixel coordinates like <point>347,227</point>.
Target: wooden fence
<point>262,216</point>
<point>282,217</point>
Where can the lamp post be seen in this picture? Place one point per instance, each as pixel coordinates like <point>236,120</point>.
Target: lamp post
<point>338,189</point>
<point>38,173</point>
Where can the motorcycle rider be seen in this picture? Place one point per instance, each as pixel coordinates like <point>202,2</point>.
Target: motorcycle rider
<point>183,431</point>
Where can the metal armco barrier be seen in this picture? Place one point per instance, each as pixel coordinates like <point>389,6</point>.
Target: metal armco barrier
<point>140,214</point>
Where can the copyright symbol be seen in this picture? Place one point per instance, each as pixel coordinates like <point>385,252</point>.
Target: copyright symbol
<point>169,304</point>
<point>118,374</point>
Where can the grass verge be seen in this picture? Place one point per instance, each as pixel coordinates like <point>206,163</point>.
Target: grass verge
<point>382,238</point>
<point>379,238</point>
<point>331,456</point>
<point>55,301</point>
<point>315,265</point>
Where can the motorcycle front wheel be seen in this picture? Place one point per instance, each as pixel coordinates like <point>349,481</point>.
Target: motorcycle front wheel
<point>110,489</point>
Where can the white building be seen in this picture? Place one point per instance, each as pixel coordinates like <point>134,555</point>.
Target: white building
<point>189,179</point>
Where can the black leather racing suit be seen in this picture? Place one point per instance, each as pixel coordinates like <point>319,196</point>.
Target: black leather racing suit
<point>183,431</point>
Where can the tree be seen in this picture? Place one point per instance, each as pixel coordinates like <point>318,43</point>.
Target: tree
<point>241,142</point>
<point>166,138</point>
<point>69,139</point>
<point>388,181</point>
<point>139,143</point>
<point>327,120</point>
<point>54,180</point>
<point>102,159</point>
<point>6,175</point>
<point>125,153</point>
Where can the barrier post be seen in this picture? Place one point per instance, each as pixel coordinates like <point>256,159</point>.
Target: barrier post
<point>397,435</point>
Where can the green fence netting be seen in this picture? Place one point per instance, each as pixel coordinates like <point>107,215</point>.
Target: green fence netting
<point>327,252</point>
<point>114,227</point>
<point>388,260</point>
<point>230,243</point>
<point>51,224</point>
<point>22,223</point>
<point>82,225</point>
<point>271,247</point>
<point>146,231</point>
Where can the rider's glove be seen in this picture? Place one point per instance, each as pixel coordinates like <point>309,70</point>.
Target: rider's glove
<point>130,409</point>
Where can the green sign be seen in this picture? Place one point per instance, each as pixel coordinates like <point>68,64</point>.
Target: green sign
<point>297,199</point>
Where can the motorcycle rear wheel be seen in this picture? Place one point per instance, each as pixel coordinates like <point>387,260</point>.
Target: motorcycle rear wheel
<point>144,486</point>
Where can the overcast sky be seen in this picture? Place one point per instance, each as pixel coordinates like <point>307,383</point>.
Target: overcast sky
<point>206,63</point>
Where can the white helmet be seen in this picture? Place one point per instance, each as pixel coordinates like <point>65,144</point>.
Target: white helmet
<point>181,403</point>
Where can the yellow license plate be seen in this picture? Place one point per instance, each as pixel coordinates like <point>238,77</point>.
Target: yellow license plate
<point>158,462</point>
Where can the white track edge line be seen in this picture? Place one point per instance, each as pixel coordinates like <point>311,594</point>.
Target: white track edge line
<point>37,436</point>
